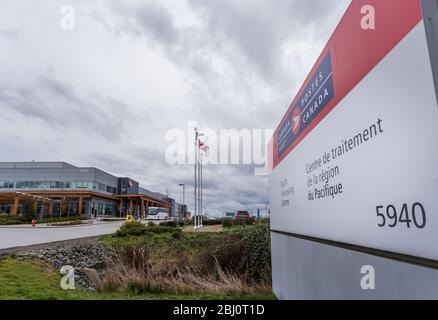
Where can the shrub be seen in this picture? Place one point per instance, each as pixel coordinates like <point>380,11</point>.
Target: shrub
<point>256,253</point>
<point>9,220</point>
<point>161,229</point>
<point>225,251</point>
<point>245,252</point>
<point>66,223</point>
<point>227,223</point>
<point>27,210</point>
<point>264,220</point>
<point>133,228</point>
<point>61,219</point>
<point>176,234</point>
<point>120,233</point>
<point>211,222</point>
<point>169,224</point>
<point>243,222</point>
<point>181,224</point>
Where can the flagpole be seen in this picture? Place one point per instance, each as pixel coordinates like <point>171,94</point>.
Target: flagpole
<point>201,185</point>
<point>200,188</point>
<point>196,178</point>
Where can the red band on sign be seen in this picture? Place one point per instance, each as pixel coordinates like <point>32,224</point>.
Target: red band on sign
<point>355,52</point>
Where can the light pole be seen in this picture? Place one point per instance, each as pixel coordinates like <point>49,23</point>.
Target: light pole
<point>183,198</point>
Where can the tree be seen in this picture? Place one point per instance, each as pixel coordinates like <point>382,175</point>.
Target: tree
<point>27,210</point>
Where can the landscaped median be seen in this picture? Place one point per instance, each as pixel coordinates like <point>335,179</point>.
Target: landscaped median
<point>151,262</point>
<point>70,223</point>
<point>17,220</point>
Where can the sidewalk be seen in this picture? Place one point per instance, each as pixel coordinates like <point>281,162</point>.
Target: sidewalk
<point>19,236</point>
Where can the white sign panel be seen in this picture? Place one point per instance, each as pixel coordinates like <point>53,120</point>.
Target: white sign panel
<point>356,155</point>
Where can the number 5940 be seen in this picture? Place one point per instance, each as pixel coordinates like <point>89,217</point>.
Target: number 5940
<point>408,215</point>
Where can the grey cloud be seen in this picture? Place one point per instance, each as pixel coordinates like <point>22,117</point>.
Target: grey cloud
<point>248,36</point>
<point>59,105</point>
<point>250,30</point>
<point>156,20</point>
<point>148,19</point>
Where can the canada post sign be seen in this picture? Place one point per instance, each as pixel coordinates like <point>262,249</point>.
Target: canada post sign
<point>318,93</point>
<point>352,160</point>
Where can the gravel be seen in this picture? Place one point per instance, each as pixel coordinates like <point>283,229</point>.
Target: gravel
<point>76,254</point>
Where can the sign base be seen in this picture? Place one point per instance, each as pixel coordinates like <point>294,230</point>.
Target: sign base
<point>304,269</point>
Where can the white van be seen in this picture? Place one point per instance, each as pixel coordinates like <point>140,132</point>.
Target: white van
<point>155,213</point>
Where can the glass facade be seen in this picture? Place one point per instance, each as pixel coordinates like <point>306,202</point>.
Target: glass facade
<point>99,207</point>
<point>91,185</point>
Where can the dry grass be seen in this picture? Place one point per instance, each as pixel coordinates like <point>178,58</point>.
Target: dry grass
<point>132,269</point>
<point>213,228</point>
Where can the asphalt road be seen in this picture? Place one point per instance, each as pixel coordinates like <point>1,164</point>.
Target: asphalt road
<point>19,236</point>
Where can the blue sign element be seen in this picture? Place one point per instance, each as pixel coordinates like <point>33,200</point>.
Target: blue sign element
<point>317,94</point>
<point>285,136</point>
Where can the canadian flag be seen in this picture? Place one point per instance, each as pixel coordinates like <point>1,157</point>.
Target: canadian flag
<point>204,147</point>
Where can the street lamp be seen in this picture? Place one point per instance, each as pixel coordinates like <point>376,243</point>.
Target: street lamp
<point>183,199</point>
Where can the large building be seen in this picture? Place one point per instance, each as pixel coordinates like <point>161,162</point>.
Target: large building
<point>59,188</point>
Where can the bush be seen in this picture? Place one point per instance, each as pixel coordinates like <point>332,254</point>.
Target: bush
<point>246,252</point>
<point>68,223</point>
<point>256,253</point>
<point>10,220</point>
<point>264,220</point>
<point>224,251</point>
<point>211,222</point>
<point>181,224</point>
<point>169,224</point>
<point>62,219</point>
<point>243,222</point>
<point>161,229</point>
<point>133,228</point>
<point>27,210</point>
<point>176,234</point>
<point>227,223</point>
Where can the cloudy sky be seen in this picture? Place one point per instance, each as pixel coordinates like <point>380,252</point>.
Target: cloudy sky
<point>106,93</point>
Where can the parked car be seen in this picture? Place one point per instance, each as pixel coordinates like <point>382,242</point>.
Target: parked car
<point>242,215</point>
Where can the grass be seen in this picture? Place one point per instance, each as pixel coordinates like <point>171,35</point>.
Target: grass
<point>36,280</point>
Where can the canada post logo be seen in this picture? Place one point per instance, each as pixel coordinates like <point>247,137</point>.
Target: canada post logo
<point>317,94</point>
